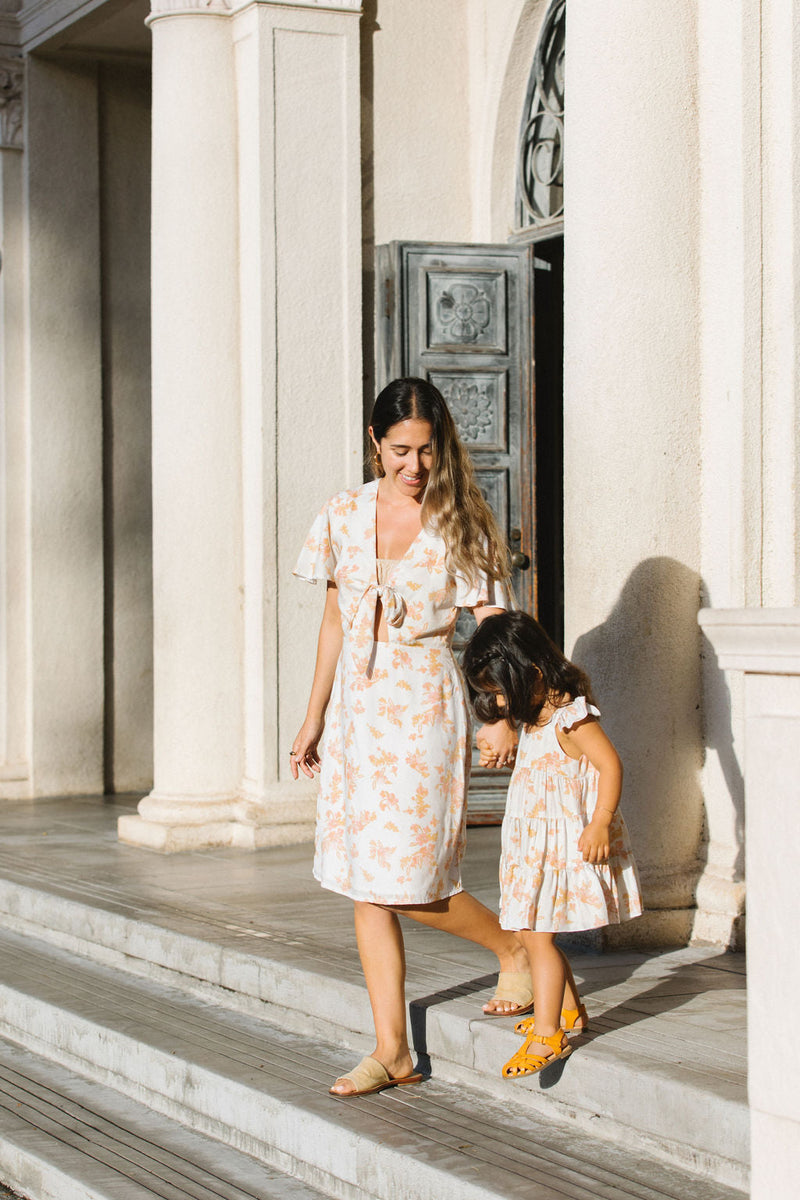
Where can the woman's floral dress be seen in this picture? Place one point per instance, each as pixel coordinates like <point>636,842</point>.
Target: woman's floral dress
<point>545,884</point>
<point>396,747</point>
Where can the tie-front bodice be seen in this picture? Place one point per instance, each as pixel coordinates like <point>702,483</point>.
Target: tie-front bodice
<point>419,594</point>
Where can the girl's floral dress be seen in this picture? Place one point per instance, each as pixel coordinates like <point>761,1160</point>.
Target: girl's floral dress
<point>395,751</point>
<point>545,884</point>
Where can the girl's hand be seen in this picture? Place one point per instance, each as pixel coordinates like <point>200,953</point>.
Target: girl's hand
<point>497,744</point>
<point>305,756</point>
<point>594,842</point>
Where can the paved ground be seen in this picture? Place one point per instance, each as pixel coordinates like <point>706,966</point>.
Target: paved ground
<point>666,1053</point>
<point>266,902</point>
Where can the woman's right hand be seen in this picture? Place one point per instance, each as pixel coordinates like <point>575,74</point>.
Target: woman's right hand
<point>305,756</point>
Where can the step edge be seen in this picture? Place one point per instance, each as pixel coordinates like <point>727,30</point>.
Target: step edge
<point>258,1006</point>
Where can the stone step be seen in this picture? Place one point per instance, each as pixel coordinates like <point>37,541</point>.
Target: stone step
<point>636,1079</point>
<point>263,1091</point>
<point>63,1137</point>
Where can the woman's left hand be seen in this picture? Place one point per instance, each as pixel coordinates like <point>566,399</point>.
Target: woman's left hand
<point>498,744</point>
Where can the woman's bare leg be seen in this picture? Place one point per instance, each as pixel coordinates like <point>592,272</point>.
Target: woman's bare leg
<point>380,945</point>
<point>467,918</point>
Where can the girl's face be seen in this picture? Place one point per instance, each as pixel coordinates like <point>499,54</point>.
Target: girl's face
<point>406,456</point>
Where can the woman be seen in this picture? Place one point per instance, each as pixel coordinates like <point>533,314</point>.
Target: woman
<point>400,556</point>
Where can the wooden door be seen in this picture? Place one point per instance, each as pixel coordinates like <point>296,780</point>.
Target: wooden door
<point>461,317</point>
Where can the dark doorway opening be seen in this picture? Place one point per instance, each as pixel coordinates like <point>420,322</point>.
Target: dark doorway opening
<point>548,328</point>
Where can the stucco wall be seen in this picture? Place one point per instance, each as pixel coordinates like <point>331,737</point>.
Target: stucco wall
<point>64,430</point>
<point>420,103</point>
<point>632,417</point>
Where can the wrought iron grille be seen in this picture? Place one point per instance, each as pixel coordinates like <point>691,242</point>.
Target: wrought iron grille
<point>540,170</point>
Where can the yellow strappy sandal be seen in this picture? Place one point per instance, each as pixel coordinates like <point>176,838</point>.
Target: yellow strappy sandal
<point>527,1062</point>
<point>569,1019</point>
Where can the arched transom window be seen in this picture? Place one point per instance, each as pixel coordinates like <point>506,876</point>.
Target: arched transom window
<point>540,169</point>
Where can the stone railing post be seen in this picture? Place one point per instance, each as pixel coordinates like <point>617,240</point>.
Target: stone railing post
<point>764,644</point>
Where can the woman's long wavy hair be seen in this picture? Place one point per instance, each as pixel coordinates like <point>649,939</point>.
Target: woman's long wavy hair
<point>510,655</point>
<point>453,506</point>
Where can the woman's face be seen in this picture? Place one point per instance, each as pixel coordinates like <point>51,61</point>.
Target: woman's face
<point>406,455</point>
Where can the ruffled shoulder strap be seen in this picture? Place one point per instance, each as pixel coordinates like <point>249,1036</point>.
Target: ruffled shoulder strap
<point>577,710</point>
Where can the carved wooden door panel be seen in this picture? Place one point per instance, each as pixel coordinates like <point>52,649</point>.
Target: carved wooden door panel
<point>461,316</point>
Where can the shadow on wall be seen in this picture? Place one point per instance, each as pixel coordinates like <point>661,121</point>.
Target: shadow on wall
<point>645,665</point>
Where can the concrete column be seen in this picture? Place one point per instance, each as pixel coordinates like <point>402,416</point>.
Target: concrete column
<point>632,422</point>
<point>297,74</point>
<point>197,541</point>
<point>780,226</point>
<point>764,644</point>
<point>15,772</point>
<point>63,419</point>
<point>731,509</point>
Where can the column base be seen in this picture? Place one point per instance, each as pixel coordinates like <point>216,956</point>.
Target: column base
<point>170,839</point>
<point>655,929</point>
<point>720,919</point>
<point>281,817</point>
<point>171,824</point>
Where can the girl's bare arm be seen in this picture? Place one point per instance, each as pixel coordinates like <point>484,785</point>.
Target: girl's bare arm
<point>588,737</point>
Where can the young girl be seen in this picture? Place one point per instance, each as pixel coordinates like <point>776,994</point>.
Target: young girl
<point>566,862</point>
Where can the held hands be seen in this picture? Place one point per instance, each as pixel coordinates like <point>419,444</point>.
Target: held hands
<point>497,744</point>
<point>304,755</point>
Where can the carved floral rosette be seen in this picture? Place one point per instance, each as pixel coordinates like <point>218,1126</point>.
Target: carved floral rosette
<point>12,74</point>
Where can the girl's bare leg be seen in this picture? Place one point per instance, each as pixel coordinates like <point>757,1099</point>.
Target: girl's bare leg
<point>571,998</point>
<point>549,980</point>
<point>380,945</point>
<point>467,918</point>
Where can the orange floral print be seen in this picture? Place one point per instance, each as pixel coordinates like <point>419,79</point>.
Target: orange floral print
<point>545,884</point>
<point>394,754</point>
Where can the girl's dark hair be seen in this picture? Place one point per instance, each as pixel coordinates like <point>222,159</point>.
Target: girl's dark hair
<point>500,658</point>
<point>453,505</point>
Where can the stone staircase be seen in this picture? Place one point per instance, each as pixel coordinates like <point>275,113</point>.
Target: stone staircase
<point>158,1041</point>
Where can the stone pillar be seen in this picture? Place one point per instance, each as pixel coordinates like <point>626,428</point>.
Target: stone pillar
<point>764,644</point>
<point>632,422</point>
<point>15,773</point>
<point>297,71</point>
<point>730,512</point>
<point>197,530</point>
<point>256,396</point>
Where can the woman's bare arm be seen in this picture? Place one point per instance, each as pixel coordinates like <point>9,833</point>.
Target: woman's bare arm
<point>329,645</point>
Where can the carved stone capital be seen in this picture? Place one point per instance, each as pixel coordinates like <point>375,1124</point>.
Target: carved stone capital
<point>12,74</point>
<point>174,8</point>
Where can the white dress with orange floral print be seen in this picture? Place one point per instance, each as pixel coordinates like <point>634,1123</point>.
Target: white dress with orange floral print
<point>395,751</point>
<point>545,884</point>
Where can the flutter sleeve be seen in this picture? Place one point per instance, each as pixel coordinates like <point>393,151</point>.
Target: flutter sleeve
<point>577,710</point>
<point>317,559</point>
<point>483,591</point>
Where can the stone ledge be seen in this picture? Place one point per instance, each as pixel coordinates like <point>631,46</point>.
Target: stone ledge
<point>761,640</point>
